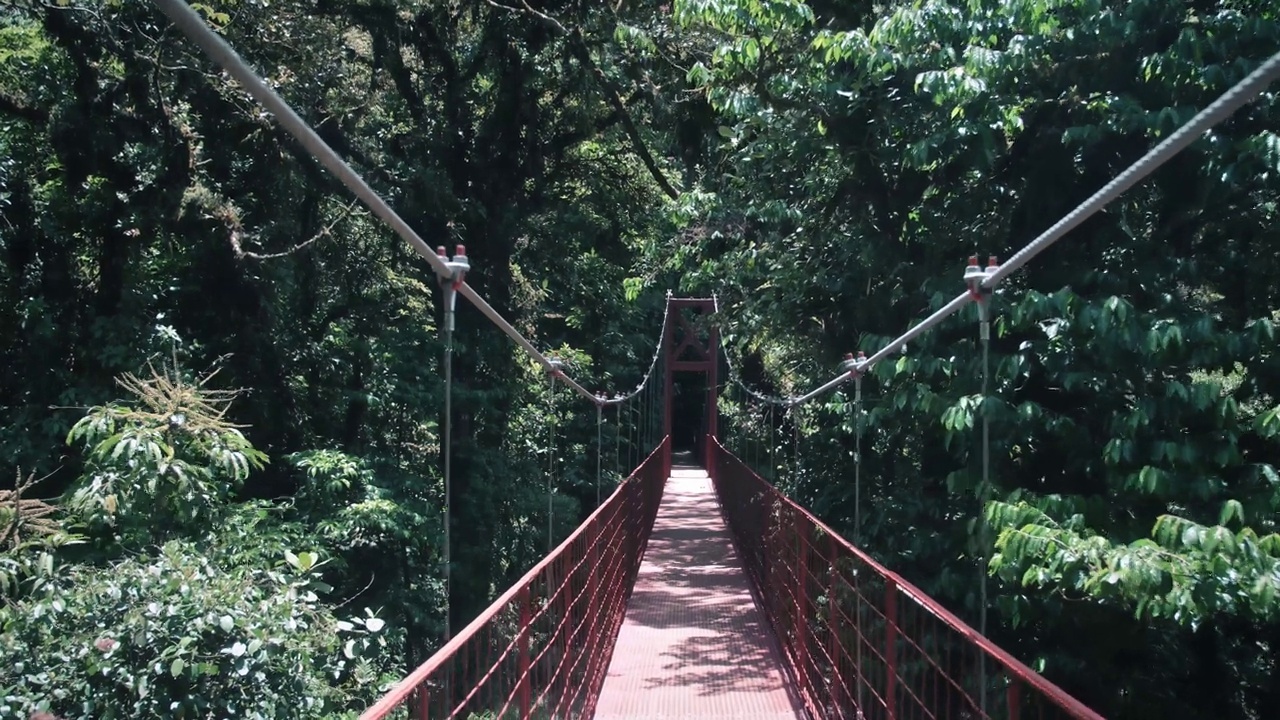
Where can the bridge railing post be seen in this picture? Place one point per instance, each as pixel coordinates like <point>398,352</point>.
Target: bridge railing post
<point>834,650</point>
<point>594,602</point>
<point>522,654</point>
<point>891,649</point>
<point>1013,699</point>
<point>801,588</point>
<point>424,702</point>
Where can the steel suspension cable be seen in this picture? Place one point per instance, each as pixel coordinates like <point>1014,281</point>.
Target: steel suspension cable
<point>194,27</point>
<point>1229,102</point>
<point>735,377</point>
<point>724,404</point>
<point>857,460</point>
<point>190,23</point>
<point>551,461</point>
<point>795,445</point>
<point>757,434</point>
<point>448,454</point>
<point>599,447</point>
<point>643,423</point>
<point>457,272</point>
<point>648,420</point>
<point>660,404</point>
<point>653,413</point>
<point>799,441</point>
<point>665,410</point>
<point>773,448</point>
<point>631,429</point>
<point>734,428</point>
<point>744,428</point>
<point>757,422</point>
<point>857,505</point>
<point>617,443</point>
<point>660,391</point>
<point>186,19</point>
<point>984,337</point>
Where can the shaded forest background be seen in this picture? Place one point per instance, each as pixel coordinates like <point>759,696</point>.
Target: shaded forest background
<point>219,379</point>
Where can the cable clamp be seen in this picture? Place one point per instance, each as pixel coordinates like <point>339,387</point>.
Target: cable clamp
<point>975,277</point>
<point>854,366</point>
<point>458,266</point>
<point>555,367</point>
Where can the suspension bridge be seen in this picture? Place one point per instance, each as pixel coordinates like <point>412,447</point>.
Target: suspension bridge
<point>697,589</point>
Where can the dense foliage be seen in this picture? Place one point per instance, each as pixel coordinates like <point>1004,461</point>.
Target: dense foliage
<point>225,375</point>
<point>867,152</point>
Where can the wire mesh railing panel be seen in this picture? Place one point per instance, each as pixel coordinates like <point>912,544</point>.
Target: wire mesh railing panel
<point>859,641</point>
<point>542,649</point>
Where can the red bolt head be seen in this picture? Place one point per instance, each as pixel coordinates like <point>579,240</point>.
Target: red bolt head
<point>849,356</point>
<point>440,251</point>
<point>992,261</point>
<point>462,250</point>
<point>973,260</point>
<point>862,355</point>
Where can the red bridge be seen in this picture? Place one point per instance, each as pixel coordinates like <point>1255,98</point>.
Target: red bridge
<point>688,597</point>
<point>704,592</point>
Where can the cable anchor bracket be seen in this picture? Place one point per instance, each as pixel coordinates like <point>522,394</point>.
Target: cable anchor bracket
<point>975,278</point>
<point>458,267</point>
<point>854,367</point>
<point>555,367</point>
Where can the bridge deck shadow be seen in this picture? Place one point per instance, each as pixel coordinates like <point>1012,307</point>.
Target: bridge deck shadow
<point>694,644</point>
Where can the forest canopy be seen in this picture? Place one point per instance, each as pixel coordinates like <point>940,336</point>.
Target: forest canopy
<point>217,367</point>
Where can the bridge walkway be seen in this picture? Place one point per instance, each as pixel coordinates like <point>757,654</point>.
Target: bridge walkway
<point>693,643</point>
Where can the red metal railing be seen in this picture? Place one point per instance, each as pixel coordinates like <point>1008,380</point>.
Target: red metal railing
<point>542,649</point>
<point>859,641</point>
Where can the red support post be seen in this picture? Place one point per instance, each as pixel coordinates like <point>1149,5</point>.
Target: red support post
<point>594,602</point>
<point>833,621</point>
<point>424,703</point>
<point>522,654</point>
<point>801,589</point>
<point>713,410</point>
<point>680,338</point>
<point>1013,699</point>
<point>891,648</point>
<point>668,379</point>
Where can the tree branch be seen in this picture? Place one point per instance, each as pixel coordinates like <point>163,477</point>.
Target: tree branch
<point>578,48</point>
<point>324,232</point>
<point>10,105</point>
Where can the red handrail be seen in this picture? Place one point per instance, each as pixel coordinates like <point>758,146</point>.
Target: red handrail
<point>858,639</point>
<point>545,644</point>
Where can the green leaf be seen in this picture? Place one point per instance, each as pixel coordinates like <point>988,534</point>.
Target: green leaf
<point>1231,509</point>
